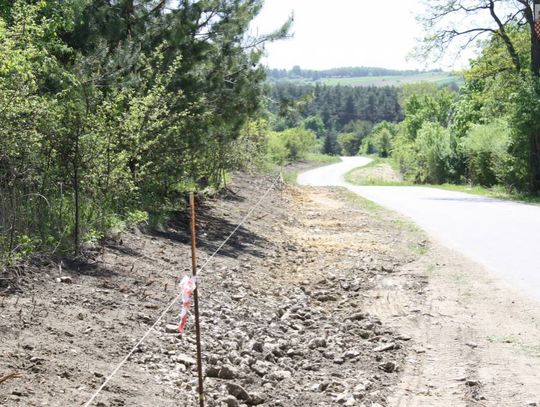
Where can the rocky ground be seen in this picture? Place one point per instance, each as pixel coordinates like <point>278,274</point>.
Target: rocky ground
<point>283,307</point>
<point>320,299</point>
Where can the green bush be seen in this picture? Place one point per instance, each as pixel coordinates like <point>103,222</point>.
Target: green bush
<point>348,142</point>
<point>427,159</point>
<point>291,145</point>
<point>379,141</point>
<point>433,154</point>
<point>404,155</point>
<point>525,124</point>
<point>486,151</point>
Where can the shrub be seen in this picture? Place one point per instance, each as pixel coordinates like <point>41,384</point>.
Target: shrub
<point>290,145</point>
<point>379,141</point>
<point>434,154</point>
<point>348,143</point>
<point>486,151</point>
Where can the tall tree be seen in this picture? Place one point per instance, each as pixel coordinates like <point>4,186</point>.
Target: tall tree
<point>467,21</point>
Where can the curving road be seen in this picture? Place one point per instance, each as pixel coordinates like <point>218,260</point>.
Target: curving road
<point>504,236</point>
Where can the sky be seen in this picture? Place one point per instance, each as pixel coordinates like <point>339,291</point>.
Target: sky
<point>342,33</point>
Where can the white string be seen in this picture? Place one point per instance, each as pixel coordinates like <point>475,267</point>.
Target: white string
<point>89,402</point>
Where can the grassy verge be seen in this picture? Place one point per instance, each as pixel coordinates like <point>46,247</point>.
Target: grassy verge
<point>323,158</point>
<point>361,176</point>
<point>497,192</point>
<point>290,173</point>
<point>380,171</point>
<point>419,245</point>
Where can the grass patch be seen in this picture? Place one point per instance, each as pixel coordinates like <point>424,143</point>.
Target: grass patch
<point>497,192</point>
<point>290,175</point>
<point>437,78</point>
<point>366,204</point>
<point>360,176</point>
<point>395,80</point>
<point>323,158</point>
<point>418,245</point>
<point>380,172</point>
<point>528,349</point>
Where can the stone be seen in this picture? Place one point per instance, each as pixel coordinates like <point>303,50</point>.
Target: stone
<point>237,391</point>
<point>384,347</point>
<point>346,399</point>
<point>388,367</point>
<point>324,297</point>
<point>185,359</point>
<point>229,401</point>
<point>212,371</point>
<point>317,343</point>
<point>228,372</point>
<point>358,316</point>
<point>350,354</point>
<point>260,367</point>
<point>280,375</point>
<point>257,346</point>
<point>171,329</point>
<point>255,399</point>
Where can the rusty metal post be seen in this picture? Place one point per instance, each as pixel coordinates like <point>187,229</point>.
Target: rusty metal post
<point>196,300</point>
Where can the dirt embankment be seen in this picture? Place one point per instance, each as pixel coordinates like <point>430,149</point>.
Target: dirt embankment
<point>319,299</point>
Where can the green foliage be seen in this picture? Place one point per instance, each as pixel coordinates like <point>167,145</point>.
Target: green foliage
<point>316,125</point>
<point>337,106</point>
<point>291,145</point>
<point>428,158</point>
<point>110,112</point>
<point>525,148</point>
<point>433,108</point>
<point>486,148</point>
<point>433,154</point>
<point>330,144</point>
<point>379,141</point>
<point>348,143</point>
<point>354,133</point>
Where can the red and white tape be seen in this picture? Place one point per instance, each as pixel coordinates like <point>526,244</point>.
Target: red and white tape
<point>187,285</point>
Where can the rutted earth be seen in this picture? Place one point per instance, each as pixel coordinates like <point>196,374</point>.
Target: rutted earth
<point>320,299</point>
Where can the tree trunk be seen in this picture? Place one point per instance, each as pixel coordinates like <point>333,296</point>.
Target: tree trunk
<point>534,162</point>
<point>76,238</point>
<point>534,138</point>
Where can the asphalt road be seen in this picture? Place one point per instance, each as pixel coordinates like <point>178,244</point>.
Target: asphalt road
<point>503,236</point>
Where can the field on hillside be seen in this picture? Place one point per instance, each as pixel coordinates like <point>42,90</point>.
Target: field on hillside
<point>438,78</point>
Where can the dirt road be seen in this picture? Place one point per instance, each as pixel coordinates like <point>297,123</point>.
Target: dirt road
<point>321,299</point>
<point>284,308</point>
<point>477,336</point>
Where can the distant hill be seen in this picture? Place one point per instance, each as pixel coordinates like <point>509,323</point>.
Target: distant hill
<point>363,76</point>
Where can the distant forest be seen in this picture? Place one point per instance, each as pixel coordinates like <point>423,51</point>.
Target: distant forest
<point>350,72</point>
<point>335,105</point>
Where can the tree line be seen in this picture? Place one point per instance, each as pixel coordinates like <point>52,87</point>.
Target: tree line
<point>329,111</point>
<point>110,111</point>
<point>349,72</point>
<point>487,134</point>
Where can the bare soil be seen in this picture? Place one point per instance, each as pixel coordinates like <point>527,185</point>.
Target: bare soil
<point>319,299</point>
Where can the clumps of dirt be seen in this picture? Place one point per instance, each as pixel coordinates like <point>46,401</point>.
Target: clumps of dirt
<point>283,307</point>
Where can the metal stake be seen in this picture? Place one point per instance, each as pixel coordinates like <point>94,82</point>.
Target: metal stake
<point>196,299</point>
